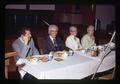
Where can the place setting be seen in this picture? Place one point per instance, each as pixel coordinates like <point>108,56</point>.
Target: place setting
<point>57,56</point>
<point>37,59</point>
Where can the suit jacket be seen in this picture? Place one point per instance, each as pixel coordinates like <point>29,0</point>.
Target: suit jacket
<point>49,46</point>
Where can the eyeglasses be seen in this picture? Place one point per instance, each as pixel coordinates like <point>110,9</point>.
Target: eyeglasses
<point>54,31</point>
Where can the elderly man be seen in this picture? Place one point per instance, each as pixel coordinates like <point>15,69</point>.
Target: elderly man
<point>72,41</point>
<point>52,42</point>
<point>24,46</point>
<point>88,40</point>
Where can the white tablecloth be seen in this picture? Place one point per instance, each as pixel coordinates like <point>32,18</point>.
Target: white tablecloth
<point>108,62</point>
<point>74,67</point>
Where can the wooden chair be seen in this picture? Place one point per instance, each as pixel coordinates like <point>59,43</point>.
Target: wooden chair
<point>109,76</point>
<point>40,44</point>
<point>7,61</point>
<point>8,45</point>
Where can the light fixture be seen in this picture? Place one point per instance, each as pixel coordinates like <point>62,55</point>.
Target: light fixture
<point>92,7</point>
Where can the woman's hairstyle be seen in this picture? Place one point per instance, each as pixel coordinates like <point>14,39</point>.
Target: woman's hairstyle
<point>90,26</point>
<point>23,29</point>
<point>73,28</point>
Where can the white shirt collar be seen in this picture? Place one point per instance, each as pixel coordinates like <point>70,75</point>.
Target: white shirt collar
<point>51,38</point>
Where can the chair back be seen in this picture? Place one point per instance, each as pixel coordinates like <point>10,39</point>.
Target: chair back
<point>40,44</point>
<point>8,57</point>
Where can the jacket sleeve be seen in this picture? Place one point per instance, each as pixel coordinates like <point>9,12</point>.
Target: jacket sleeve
<point>20,49</point>
<point>46,47</point>
<point>35,51</point>
<point>61,43</point>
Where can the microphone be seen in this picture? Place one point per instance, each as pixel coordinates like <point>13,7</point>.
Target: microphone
<point>29,47</point>
<point>29,41</point>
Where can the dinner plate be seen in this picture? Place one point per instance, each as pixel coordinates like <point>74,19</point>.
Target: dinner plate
<point>44,59</point>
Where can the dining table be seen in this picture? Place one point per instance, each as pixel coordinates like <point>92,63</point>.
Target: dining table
<point>77,66</point>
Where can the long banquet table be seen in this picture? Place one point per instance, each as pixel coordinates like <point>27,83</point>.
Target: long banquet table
<point>77,66</point>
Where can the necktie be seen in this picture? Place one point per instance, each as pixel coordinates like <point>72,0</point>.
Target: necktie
<point>54,42</point>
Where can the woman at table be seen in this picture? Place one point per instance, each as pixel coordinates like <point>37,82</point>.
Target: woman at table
<point>72,41</point>
<point>52,42</point>
<point>24,46</point>
<point>88,40</point>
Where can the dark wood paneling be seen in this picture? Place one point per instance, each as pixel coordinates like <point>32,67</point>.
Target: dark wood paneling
<point>31,18</point>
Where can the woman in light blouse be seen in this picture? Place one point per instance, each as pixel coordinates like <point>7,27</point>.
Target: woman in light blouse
<point>72,40</point>
<point>88,40</point>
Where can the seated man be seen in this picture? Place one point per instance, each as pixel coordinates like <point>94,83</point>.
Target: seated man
<point>52,42</point>
<point>72,41</point>
<point>88,40</point>
<point>24,46</point>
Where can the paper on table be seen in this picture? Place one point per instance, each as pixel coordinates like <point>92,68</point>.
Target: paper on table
<point>40,55</point>
<point>20,61</point>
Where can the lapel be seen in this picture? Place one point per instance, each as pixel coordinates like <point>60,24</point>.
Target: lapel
<point>50,42</point>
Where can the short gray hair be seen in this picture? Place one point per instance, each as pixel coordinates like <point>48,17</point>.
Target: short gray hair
<point>52,27</point>
<point>72,28</point>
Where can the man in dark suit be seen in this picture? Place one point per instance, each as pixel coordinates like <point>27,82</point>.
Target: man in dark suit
<point>52,42</point>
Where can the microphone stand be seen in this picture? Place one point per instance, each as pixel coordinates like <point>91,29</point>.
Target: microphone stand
<point>106,51</point>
